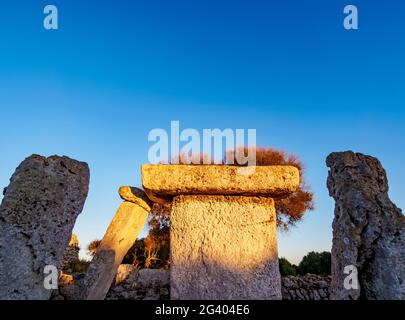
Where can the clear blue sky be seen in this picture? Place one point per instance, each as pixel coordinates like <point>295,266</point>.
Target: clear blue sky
<point>117,69</point>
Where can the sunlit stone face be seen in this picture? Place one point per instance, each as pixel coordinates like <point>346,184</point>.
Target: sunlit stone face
<point>224,247</point>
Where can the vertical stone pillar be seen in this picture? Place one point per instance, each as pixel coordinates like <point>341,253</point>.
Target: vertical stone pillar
<point>368,231</point>
<point>223,228</point>
<point>37,215</point>
<point>118,239</point>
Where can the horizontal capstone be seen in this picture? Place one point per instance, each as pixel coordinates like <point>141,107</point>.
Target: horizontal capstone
<point>174,180</point>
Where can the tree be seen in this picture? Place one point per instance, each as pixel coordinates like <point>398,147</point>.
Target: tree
<point>92,247</point>
<point>135,255</point>
<point>315,263</point>
<point>158,239</point>
<point>291,209</point>
<point>286,268</point>
<point>153,252</point>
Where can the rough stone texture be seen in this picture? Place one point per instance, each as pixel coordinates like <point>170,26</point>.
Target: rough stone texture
<point>37,215</point>
<point>307,287</point>
<point>173,180</point>
<point>135,195</point>
<point>67,286</point>
<point>224,247</point>
<point>120,236</point>
<point>368,229</point>
<point>71,254</point>
<point>153,284</point>
<point>159,198</point>
<point>129,284</point>
<point>145,284</point>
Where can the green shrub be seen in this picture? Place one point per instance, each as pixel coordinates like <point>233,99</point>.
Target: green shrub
<point>315,263</point>
<point>286,268</point>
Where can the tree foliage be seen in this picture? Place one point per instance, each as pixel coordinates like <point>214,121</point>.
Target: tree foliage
<point>155,249</point>
<point>286,268</point>
<point>315,263</point>
<point>289,210</point>
<point>92,247</point>
<point>153,252</point>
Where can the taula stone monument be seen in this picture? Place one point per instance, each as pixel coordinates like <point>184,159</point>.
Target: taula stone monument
<point>368,230</point>
<point>37,215</point>
<point>223,228</point>
<point>118,239</point>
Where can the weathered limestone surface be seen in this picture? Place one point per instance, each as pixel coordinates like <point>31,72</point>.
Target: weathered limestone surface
<point>37,215</point>
<point>173,180</point>
<point>224,247</point>
<point>120,236</point>
<point>368,229</point>
<point>136,196</point>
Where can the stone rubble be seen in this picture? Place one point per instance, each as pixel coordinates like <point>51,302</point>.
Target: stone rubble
<point>145,284</point>
<point>307,287</point>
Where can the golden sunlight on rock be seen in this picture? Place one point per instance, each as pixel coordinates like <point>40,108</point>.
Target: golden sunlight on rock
<point>74,241</point>
<point>224,247</point>
<point>274,181</point>
<point>119,237</point>
<point>223,227</point>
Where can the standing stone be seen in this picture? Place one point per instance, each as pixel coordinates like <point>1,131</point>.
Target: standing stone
<point>118,239</point>
<point>368,229</point>
<point>224,247</point>
<point>223,228</point>
<point>37,215</point>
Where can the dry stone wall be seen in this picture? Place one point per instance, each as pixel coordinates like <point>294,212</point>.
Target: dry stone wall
<point>307,287</point>
<point>150,284</point>
<point>145,284</point>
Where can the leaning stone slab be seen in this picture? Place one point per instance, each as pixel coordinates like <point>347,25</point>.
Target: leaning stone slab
<point>37,215</point>
<point>368,230</point>
<point>174,180</point>
<point>224,248</point>
<point>118,239</point>
<point>136,196</point>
